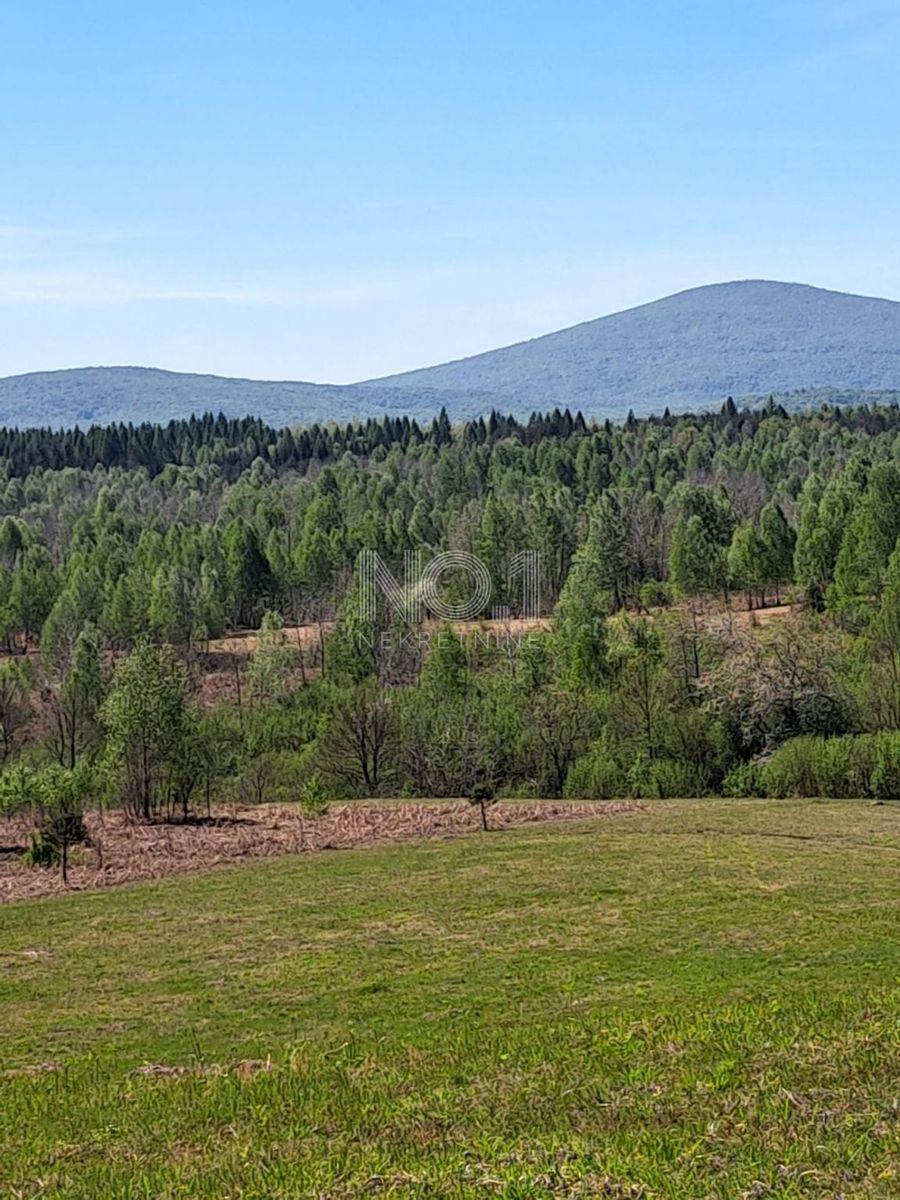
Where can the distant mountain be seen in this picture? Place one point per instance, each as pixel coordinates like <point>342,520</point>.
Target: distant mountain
<point>688,351</point>
<point>692,349</point>
<point>100,395</point>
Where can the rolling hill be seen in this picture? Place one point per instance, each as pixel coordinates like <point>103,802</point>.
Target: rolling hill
<point>691,350</point>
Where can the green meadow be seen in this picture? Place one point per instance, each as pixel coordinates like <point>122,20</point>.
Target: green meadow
<point>699,1000</point>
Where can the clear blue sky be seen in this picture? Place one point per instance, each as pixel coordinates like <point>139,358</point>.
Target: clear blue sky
<point>336,190</point>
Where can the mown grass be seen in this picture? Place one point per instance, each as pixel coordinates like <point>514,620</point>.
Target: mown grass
<point>698,1001</point>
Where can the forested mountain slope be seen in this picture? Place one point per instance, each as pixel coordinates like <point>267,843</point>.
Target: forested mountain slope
<point>692,349</point>
<point>102,395</point>
<point>688,351</point>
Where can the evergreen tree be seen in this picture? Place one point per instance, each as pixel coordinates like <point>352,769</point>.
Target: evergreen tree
<point>697,563</point>
<point>777,544</point>
<point>746,561</point>
<point>580,620</point>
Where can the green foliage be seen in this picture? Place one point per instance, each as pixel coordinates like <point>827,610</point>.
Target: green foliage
<point>273,663</point>
<point>744,779</point>
<point>147,727</point>
<point>697,563</point>
<point>671,778</point>
<point>314,797</point>
<point>598,775</point>
<point>654,594</point>
<point>866,766</point>
<point>54,797</point>
<point>445,673</point>
<point>21,789</point>
<point>868,543</point>
<point>580,620</point>
<point>747,569</point>
<point>270,777</point>
<point>16,683</point>
<point>883,640</point>
<point>184,532</point>
<point>777,543</point>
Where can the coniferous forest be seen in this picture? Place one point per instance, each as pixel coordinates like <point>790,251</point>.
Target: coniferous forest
<point>719,612</point>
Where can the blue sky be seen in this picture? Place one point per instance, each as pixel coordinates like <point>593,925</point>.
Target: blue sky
<point>334,191</point>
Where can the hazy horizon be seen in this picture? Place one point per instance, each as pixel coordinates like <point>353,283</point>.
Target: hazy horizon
<point>422,366</point>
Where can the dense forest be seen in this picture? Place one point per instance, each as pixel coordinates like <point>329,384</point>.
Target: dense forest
<point>127,552</point>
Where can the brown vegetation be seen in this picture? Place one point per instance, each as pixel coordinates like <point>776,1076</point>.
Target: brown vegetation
<point>125,852</point>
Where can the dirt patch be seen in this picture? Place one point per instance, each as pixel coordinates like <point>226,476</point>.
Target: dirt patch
<point>242,644</point>
<point>124,852</point>
<point>765,616</point>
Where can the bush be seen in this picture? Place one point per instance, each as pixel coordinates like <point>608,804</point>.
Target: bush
<point>41,852</point>
<point>669,779</point>
<point>655,594</point>
<point>271,777</point>
<point>51,840</point>
<point>55,797</point>
<point>886,775</point>
<point>603,775</point>
<point>596,776</point>
<point>866,766</point>
<point>744,780</point>
<point>791,771</point>
<point>314,797</point>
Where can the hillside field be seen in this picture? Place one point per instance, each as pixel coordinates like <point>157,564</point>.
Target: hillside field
<point>692,1001</point>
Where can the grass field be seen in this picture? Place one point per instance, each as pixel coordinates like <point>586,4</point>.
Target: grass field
<point>697,1001</point>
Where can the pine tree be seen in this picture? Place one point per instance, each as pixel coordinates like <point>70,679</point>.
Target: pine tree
<point>868,543</point>
<point>610,535</point>
<point>884,635</point>
<point>746,565</point>
<point>777,542</point>
<point>697,563</point>
<point>580,621</point>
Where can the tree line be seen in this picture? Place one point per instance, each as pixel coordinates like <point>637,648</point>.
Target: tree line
<point>125,552</point>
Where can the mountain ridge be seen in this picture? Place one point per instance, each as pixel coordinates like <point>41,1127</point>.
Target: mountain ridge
<point>692,349</point>
<point>637,308</point>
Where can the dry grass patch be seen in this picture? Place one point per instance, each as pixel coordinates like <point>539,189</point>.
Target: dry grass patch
<point>125,852</point>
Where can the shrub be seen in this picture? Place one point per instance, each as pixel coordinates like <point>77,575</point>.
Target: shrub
<point>50,842</point>
<point>55,797</point>
<point>597,775</point>
<point>655,594</point>
<point>886,773</point>
<point>668,778</point>
<point>866,766</point>
<point>744,780</point>
<point>791,771</point>
<point>314,797</point>
<point>271,777</point>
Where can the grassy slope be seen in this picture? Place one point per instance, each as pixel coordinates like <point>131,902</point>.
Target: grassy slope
<point>701,1001</point>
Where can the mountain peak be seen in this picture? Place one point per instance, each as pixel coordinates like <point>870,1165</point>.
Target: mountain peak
<point>739,338</point>
<point>690,350</point>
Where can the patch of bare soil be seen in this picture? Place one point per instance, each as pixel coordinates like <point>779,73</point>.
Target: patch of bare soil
<point>123,852</point>
<point>765,616</point>
<point>243,643</point>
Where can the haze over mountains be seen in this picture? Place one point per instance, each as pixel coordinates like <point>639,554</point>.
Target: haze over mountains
<point>691,350</point>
